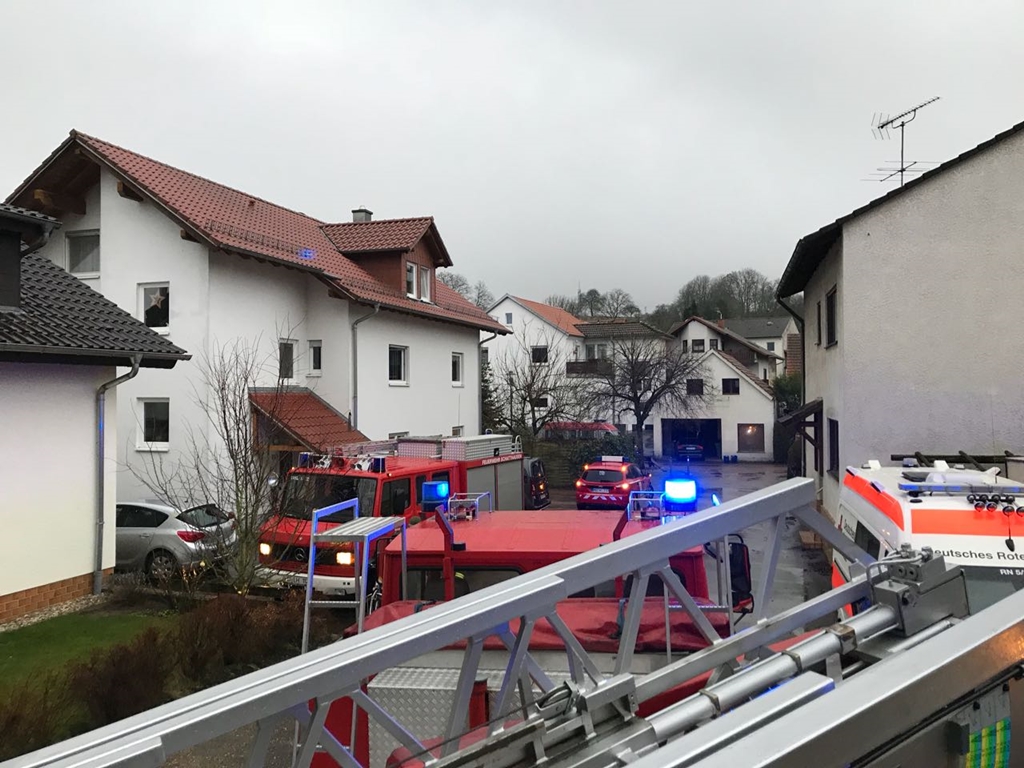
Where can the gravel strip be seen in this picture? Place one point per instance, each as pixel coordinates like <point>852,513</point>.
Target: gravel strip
<point>72,606</point>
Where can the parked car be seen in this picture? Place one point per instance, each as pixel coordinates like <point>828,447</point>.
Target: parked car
<point>606,483</point>
<point>689,450</point>
<point>535,484</point>
<point>162,540</point>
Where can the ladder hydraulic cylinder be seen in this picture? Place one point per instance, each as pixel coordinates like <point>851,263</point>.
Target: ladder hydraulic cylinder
<point>723,696</point>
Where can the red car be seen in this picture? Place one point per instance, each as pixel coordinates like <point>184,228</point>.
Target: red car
<point>607,483</point>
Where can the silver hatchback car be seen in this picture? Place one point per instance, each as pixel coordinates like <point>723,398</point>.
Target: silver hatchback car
<point>163,540</point>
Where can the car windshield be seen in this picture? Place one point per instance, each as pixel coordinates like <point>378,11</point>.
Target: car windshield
<point>987,586</point>
<point>306,492</point>
<point>203,516</point>
<point>603,475</point>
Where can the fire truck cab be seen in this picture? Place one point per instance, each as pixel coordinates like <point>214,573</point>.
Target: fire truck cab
<point>974,519</point>
<point>387,479</point>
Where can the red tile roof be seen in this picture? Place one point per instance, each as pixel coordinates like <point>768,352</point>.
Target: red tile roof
<point>235,221</point>
<point>558,317</point>
<point>382,235</point>
<point>308,418</point>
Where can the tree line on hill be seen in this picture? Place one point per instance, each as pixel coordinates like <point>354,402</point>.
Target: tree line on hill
<point>742,293</point>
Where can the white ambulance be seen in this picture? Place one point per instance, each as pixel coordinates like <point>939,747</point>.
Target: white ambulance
<point>974,519</point>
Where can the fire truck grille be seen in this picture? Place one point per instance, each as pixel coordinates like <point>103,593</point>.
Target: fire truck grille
<point>281,552</point>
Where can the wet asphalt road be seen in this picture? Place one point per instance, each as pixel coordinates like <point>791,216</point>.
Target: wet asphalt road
<point>800,574</point>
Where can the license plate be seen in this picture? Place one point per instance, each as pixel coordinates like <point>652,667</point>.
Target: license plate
<point>600,490</point>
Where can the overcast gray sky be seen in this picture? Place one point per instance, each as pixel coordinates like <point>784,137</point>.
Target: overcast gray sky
<point>602,144</point>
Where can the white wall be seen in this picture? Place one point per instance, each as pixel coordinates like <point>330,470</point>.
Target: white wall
<point>751,406</point>
<point>429,404</point>
<point>48,472</point>
<point>529,330</point>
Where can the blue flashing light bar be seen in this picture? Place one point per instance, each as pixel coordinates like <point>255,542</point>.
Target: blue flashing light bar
<point>436,490</point>
<point>961,488</point>
<point>681,490</point>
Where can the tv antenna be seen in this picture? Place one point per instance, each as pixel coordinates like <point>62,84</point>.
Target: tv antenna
<point>882,124</point>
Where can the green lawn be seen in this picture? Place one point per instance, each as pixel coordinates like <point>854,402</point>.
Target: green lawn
<point>52,644</point>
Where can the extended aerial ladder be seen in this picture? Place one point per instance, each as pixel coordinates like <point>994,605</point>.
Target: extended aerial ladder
<point>910,676</point>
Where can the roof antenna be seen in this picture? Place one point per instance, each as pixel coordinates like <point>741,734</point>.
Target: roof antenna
<point>881,124</point>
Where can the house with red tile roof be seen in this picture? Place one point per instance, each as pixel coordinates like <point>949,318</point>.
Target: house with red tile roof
<point>347,317</point>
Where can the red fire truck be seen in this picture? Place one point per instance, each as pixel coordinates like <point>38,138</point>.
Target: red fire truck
<point>387,478</point>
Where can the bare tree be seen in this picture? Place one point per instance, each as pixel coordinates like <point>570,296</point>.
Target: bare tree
<point>456,282</point>
<point>591,303</point>
<point>533,388</point>
<point>646,372</point>
<point>481,295</point>
<point>568,303</point>
<point>227,459</point>
<point>618,303</point>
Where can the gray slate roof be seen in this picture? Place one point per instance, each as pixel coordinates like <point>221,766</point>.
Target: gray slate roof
<point>758,327</point>
<point>60,316</point>
<point>13,211</point>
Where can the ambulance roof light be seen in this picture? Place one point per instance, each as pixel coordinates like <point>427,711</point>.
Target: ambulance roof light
<point>941,465</point>
<point>874,464</point>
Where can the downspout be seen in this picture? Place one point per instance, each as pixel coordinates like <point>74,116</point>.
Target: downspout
<point>803,369</point>
<point>101,432</point>
<point>355,365</point>
<point>480,384</point>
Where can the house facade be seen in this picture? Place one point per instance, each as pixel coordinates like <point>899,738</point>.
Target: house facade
<point>904,338</point>
<point>349,312</point>
<point>739,419</point>
<point>62,348</point>
<point>773,334</point>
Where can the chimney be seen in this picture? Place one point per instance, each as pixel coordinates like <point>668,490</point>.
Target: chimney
<point>362,214</point>
<point>721,322</point>
<point>10,269</point>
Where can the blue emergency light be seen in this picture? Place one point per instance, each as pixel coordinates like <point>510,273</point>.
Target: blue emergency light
<point>681,490</point>
<point>715,500</point>
<point>436,490</point>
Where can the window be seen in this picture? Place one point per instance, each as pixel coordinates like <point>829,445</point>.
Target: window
<point>397,365</point>
<point>129,516</point>
<point>155,301</point>
<point>695,386</point>
<point>713,343</point>
<point>750,438</point>
<point>396,435</point>
<point>395,498</point>
<point>608,476</point>
<point>485,356</point>
<point>833,447</point>
<point>286,358</point>
<point>540,402</point>
<point>508,318</point>
<point>698,345</point>
<point>424,283</point>
<point>457,431</point>
<point>83,253</point>
<point>442,476</point>
<point>683,345</point>
<point>771,346</point>
<point>156,424</point>
<point>410,280</point>
<point>831,329</point>
<point>315,358</point>
<point>818,342</point>
<point>456,369</point>
<point>764,374</point>
<point>597,351</point>
<point>866,540</point>
<point>539,355</point>
<point>730,386</point>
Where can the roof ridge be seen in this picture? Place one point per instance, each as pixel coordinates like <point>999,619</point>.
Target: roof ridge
<point>375,221</point>
<point>79,134</point>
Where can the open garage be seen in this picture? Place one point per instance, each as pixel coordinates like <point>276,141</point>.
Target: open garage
<point>704,432</point>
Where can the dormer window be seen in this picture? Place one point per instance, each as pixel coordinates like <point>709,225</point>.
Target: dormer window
<point>410,280</point>
<point>425,283</point>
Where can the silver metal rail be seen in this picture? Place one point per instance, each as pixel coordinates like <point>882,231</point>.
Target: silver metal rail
<point>594,701</point>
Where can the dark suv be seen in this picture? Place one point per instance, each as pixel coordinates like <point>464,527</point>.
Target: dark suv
<point>535,484</point>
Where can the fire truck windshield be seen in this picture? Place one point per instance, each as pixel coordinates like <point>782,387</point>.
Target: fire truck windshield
<point>306,492</point>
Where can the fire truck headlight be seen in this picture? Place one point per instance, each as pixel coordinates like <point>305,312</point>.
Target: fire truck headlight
<point>265,549</point>
<point>344,558</point>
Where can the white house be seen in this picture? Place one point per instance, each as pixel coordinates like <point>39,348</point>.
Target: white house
<point>61,344</point>
<point>910,331</point>
<point>546,332</point>
<point>770,333</point>
<point>350,313</point>
<point>740,419</point>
